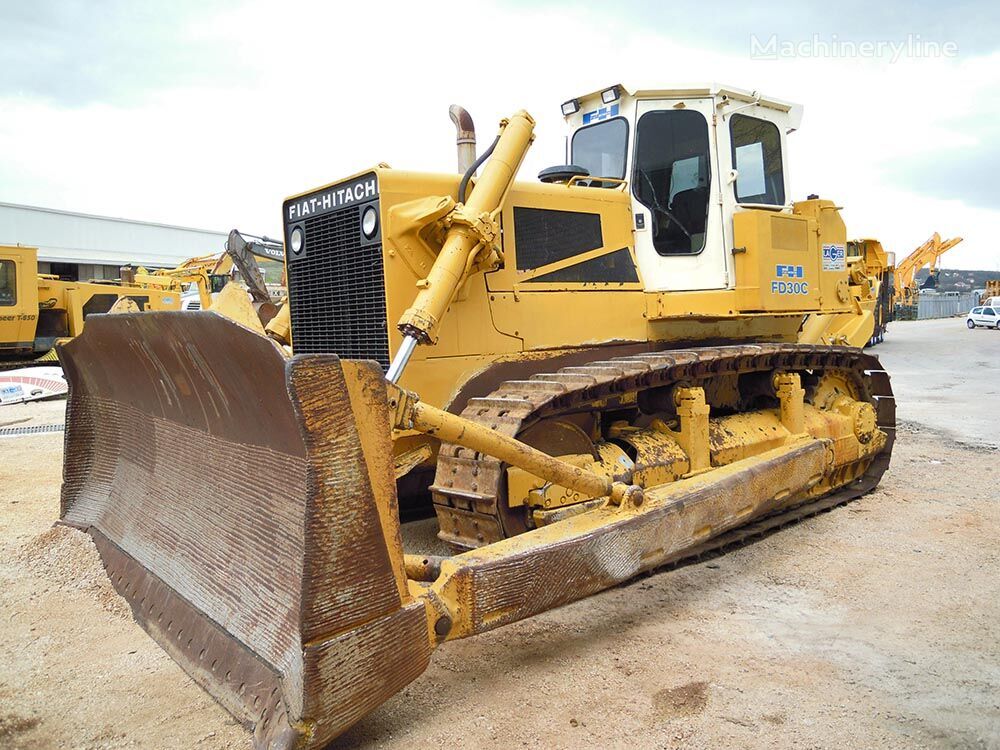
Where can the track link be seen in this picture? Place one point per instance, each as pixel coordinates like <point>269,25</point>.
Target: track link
<point>468,488</point>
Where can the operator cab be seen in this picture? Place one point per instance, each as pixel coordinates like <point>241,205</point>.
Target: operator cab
<point>691,158</point>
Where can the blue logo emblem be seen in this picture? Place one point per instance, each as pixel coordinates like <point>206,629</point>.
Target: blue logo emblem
<point>604,113</point>
<point>788,271</point>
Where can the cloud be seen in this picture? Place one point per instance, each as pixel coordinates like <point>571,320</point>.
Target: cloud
<point>727,26</point>
<point>961,162</point>
<point>965,174</point>
<point>74,52</point>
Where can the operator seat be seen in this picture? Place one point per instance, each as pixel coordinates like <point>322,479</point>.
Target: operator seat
<point>691,208</point>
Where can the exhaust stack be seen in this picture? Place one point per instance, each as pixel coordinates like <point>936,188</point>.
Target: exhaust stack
<point>465,137</point>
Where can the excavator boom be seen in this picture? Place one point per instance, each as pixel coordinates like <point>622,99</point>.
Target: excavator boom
<point>243,253</point>
<point>927,254</point>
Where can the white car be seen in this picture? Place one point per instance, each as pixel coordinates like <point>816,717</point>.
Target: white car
<point>988,317</point>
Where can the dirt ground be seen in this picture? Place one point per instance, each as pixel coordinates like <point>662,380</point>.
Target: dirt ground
<point>874,626</point>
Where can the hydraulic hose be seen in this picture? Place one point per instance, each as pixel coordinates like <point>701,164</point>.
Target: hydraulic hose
<point>464,184</point>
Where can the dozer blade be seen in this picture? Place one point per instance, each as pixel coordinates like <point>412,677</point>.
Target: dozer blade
<point>244,505</point>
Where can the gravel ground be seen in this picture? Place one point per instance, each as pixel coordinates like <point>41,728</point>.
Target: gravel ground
<point>874,626</point>
<point>33,414</point>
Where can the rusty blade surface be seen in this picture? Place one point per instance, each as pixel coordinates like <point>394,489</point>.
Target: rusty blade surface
<point>244,506</point>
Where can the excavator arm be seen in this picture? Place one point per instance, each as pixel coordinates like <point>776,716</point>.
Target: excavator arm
<point>244,252</point>
<point>928,254</point>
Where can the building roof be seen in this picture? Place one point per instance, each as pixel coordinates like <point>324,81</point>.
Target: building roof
<point>71,237</point>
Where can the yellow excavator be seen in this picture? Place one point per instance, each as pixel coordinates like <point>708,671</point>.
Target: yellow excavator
<point>210,274</point>
<point>586,376</point>
<point>39,310</point>
<point>907,292</point>
<point>206,274</point>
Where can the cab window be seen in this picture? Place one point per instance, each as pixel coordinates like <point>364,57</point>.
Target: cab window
<point>672,178</point>
<point>217,282</point>
<point>757,160</point>
<point>977,310</point>
<point>601,148</point>
<point>8,283</point>
<point>988,311</point>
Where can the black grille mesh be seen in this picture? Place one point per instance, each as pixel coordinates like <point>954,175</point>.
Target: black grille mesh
<point>337,291</point>
<point>616,267</point>
<point>545,236</point>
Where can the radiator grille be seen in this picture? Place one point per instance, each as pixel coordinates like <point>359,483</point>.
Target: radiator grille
<point>336,291</point>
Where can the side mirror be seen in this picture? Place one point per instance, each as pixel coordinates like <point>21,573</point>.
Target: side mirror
<point>562,173</point>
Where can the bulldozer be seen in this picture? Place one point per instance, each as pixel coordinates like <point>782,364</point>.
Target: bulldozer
<point>588,376</point>
<point>880,267</point>
<point>991,294</point>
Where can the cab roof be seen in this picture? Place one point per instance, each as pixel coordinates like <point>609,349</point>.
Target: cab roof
<point>706,90</point>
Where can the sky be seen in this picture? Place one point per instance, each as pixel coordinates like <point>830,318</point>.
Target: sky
<point>207,113</point>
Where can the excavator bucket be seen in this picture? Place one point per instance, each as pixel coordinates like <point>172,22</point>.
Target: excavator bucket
<point>244,505</point>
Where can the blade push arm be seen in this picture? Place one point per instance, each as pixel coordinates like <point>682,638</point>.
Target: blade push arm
<point>413,414</point>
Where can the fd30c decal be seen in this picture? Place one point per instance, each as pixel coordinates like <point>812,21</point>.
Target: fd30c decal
<point>785,283</point>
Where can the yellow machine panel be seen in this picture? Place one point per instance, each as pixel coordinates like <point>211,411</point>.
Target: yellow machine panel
<point>568,258</point>
<point>791,261</point>
<point>18,298</point>
<point>39,310</point>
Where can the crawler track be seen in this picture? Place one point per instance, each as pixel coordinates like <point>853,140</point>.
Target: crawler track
<point>468,488</point>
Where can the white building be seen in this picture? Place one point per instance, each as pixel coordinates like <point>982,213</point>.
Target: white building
<point>81,246</point>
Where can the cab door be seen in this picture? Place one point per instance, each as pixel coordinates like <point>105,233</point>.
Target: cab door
<point>681,240</point>
<point>18,297</point>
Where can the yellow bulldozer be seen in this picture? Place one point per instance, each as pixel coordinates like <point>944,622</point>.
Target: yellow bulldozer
<point>38,310</point>
<point>586,377</point>
<point>991,294</point>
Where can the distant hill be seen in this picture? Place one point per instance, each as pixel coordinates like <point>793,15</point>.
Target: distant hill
<point>960,281</point>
